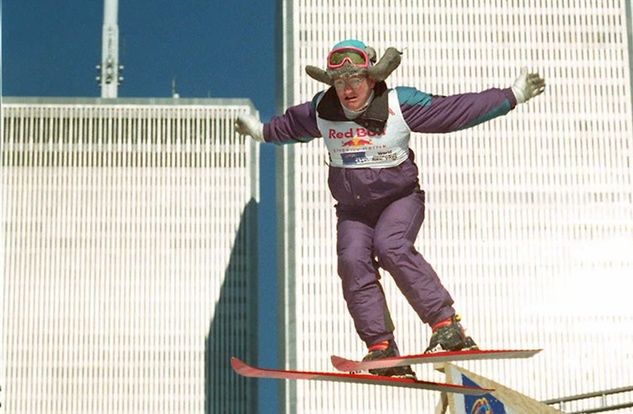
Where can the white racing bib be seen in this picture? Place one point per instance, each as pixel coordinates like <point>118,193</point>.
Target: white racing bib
<point>353,146</point>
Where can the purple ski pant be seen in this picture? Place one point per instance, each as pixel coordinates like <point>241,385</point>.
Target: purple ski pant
<point>386,232</point>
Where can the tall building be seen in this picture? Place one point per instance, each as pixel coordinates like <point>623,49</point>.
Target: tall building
<point>128,255</point>
<point>529,217</point>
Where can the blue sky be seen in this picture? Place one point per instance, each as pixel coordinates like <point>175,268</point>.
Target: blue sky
<point>213,48</point>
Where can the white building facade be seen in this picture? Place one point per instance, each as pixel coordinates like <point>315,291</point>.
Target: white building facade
<point>128,255</point>
<point>529,218</point>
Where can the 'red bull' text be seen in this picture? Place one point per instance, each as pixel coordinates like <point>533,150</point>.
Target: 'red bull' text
<point>353,132</point>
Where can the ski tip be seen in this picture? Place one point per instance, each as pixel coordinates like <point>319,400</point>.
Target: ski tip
<point>527,352</point>
<point>242,368</point>
<point>237,364</point>
<point>342,364</point>
<point>518,352</point>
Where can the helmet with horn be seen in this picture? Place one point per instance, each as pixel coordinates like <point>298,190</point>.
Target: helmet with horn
<point>352,57</point>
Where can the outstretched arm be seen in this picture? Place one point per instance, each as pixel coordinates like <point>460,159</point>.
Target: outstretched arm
<point>439,114</point>
<point>297,124</point>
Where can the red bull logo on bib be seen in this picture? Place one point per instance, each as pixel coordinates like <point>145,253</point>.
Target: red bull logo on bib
<point>353,133</point>
<point>356,142</point>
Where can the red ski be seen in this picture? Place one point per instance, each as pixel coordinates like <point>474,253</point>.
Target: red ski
<point>249,371</point>
<point>348,365</point>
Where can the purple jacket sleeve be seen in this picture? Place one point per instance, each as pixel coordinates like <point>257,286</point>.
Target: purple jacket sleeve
<point>297,124</point>
<point>438,114</point>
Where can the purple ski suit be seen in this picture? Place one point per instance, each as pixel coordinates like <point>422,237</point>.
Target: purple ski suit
<point>380,210</point>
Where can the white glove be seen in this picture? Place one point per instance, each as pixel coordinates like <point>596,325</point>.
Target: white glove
<point>527,86</point>
<point>250,125</point>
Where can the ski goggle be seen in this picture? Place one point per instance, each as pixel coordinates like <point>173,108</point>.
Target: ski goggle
<point>354,83</point>
<point>357,57</point>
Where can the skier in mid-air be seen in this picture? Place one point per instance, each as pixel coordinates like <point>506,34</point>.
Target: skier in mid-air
<point>373,177</point>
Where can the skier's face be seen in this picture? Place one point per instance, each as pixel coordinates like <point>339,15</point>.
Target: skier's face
<point>354,91</point>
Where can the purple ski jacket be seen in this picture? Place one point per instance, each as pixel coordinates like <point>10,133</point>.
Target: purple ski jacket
<point>422,112</point>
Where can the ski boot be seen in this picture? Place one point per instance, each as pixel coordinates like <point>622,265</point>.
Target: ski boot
<point>449,335</point>
<point>388,349</point>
